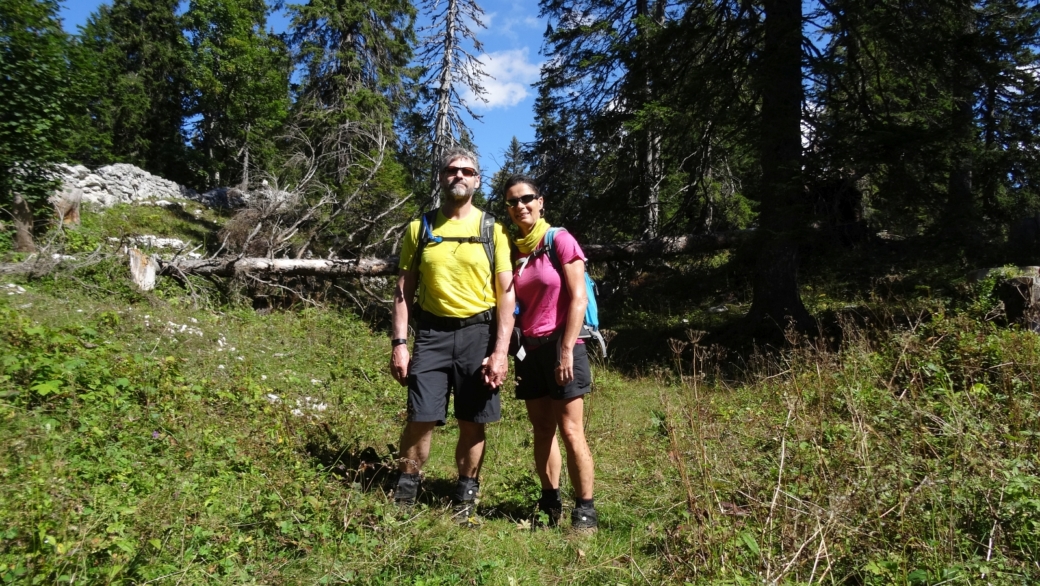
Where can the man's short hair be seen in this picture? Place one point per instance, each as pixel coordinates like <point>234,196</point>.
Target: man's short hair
<point>458,152</point>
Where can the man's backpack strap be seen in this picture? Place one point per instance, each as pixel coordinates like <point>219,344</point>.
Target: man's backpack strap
<point>425,236</point>
<point>486,237</point>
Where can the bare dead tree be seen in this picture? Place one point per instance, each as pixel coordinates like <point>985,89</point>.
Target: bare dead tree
<point>293,209</point>
<point>449,66</point>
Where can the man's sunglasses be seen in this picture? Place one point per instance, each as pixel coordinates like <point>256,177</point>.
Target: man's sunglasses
<point>523,199</point>
<point>452,171</point>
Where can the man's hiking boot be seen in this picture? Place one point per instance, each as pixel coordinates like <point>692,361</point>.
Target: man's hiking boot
<point>464,502</point>
<point>584,519</point>
<point>547,513</point>
<point>406,491</point>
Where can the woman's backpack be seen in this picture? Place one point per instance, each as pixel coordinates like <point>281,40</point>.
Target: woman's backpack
<point>590,328</point>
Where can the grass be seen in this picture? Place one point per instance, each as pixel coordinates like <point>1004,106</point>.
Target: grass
<point>150,441</point>
<point>139,450</point>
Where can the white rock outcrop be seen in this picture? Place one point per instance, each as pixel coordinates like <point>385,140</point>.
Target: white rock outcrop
<point>122,183</point>
<point>125,183</point>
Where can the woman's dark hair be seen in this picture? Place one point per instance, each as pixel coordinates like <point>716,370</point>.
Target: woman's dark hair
<point>518,179</point>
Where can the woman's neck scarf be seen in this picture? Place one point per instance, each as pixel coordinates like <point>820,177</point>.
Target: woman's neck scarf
<point>526,244</point>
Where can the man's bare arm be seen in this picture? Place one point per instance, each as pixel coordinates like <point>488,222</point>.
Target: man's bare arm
<point>404,292</point>
<point>496,366</point>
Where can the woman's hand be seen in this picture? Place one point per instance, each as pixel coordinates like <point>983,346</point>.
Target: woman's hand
<point>565,367</point>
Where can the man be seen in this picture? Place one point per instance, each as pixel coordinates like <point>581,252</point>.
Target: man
<point>464,320</point>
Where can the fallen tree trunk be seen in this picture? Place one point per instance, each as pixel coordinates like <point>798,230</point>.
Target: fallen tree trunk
<point>369,267</point>
<point>231,265</point>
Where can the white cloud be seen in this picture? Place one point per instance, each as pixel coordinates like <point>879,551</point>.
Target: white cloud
<point>512,75</point>
<point>525,23</point>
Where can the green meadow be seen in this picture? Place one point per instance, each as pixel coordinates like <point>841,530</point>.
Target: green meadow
<point>181,437</point>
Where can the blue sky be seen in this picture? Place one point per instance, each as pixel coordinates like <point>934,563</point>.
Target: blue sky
<point>511,42</point>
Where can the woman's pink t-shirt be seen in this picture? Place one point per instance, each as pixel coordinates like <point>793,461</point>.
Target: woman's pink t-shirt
<point>543,301</point>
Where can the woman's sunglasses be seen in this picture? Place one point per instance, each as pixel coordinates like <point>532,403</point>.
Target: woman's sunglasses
<point>523,199</point>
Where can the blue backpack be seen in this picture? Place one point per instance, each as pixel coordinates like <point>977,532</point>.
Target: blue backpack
<point>590,328</point>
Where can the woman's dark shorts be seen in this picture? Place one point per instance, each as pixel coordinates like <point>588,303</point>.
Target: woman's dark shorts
<point>536,374</point>
<point>444,361</point>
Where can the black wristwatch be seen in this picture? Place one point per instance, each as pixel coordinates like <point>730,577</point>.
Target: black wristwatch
<point>398,341</point>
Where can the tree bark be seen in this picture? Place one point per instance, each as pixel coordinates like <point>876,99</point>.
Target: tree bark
<point>442,137</point>
<point>776,299</point>
<point>649,138</point>
<point>960,201</point>
<point>142,270</point>
<point>67,204</point>
<point>229,266</point>
<point>244,186</point>
<point>23,224</point>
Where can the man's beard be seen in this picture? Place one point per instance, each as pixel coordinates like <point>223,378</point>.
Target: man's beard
<point>458,192</point>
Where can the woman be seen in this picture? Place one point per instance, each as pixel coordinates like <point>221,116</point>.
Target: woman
<point>552,370</point>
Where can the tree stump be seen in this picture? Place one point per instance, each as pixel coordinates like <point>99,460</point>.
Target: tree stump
<point>23,224</point>
<point>66,205</point>
<point>1021,297</point>
<point>142,270</point>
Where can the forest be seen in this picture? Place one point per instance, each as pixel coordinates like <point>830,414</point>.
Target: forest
<point>814,225</point>
<point>653,119</point>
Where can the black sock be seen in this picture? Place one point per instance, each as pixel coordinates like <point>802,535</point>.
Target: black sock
<point>583,503</point>
<point>551,495</point>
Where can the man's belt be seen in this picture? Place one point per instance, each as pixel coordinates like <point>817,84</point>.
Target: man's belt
<point>454,323</point>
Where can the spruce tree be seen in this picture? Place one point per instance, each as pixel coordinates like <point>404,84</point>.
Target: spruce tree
<point>783,218</point>
<point>352,58</point>
<point>513,163</point>
<point>240,87</point>
<point>599,70</point>
<point>136,87</point>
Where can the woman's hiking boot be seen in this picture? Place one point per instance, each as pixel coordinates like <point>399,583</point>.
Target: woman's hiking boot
<point>584,519</point>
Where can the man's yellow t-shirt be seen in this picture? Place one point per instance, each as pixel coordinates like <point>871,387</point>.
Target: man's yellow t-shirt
<point>455,278</point>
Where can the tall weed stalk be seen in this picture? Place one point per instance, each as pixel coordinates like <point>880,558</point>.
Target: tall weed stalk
<point>905,456</point>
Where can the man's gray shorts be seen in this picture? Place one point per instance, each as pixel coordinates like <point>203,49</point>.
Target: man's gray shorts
<point>447,361</point>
